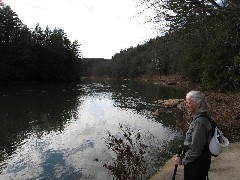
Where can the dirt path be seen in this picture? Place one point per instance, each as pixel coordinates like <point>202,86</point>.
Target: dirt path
<point>225,166</point>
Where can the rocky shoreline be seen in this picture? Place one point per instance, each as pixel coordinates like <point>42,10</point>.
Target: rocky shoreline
<point>224,106</point>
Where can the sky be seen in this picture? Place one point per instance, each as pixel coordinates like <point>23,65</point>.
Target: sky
<point>102,27</point>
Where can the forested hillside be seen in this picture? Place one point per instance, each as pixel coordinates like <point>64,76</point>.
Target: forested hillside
<point>95,67</point>
<point>35,55</point>
<point>202,44</point>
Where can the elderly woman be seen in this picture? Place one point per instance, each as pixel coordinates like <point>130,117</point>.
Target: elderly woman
<point>196,157</point>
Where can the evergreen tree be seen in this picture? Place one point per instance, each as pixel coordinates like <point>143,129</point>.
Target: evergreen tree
<point>38,55</point>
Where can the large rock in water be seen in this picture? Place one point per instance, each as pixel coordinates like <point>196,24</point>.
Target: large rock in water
<point>179,103</point>
<point>158,112</point>
<point>172,102</point>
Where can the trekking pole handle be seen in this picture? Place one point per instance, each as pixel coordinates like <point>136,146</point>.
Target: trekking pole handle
<point>179,152</point>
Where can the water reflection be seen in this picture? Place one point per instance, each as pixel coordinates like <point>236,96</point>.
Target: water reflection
<point>54,131</point>
<point>28,109</point>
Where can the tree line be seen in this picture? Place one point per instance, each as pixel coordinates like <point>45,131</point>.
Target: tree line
<point>202,43</point>
<point>35,55</point>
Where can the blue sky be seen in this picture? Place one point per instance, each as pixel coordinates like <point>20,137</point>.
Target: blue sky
<point>102,27</point>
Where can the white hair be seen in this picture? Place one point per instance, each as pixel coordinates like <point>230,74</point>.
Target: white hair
<point>198,97</point>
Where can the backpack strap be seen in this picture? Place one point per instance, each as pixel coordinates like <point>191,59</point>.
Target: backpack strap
<point>206,146</point>
<point>213,124</point>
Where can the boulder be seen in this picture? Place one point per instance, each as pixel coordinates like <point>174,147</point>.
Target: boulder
<point>167,104</point>
<point>181,106</point>
<point>172,102</point>
<point>158,112</point>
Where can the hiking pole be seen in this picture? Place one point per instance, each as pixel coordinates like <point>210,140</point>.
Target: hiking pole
<point>179,152</point>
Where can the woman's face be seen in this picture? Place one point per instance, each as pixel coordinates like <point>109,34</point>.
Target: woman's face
<point>191,106</point>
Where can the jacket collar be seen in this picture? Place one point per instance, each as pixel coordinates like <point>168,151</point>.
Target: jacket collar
<point>199,114</point>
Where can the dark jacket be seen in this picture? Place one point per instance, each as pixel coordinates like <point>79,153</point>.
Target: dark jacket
<point>197,138</point>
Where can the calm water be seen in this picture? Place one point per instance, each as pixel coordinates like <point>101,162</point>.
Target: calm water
<point>55,131</point>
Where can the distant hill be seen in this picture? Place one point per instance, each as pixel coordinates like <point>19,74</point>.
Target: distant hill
<point>94,66</point>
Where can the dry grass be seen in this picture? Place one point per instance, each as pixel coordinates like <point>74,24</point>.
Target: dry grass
<point>225,110</point>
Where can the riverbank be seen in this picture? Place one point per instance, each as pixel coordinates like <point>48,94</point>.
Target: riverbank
<point>224,107</point>
<point>225,111</point>
<point>225,166</point>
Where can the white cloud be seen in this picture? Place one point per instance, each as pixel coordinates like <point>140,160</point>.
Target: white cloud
<point>102,28</point>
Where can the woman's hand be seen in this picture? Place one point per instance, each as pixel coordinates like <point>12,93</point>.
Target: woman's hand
<point>177,160</point>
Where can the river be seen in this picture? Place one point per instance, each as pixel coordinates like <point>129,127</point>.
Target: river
<point>58,130</point>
